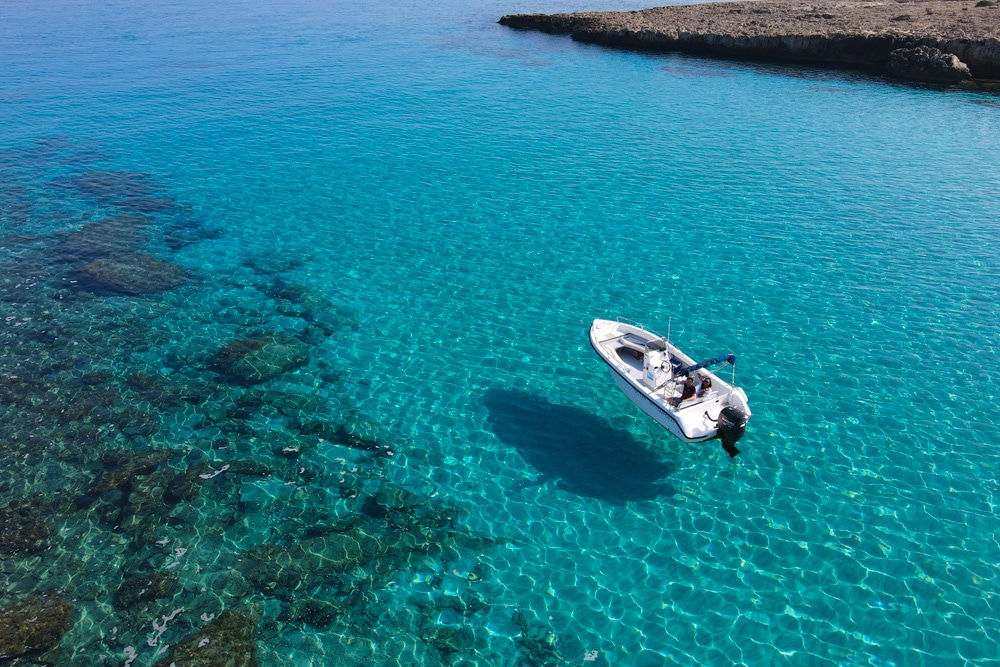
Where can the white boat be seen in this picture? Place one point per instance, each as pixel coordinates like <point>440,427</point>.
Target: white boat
<point>653,372</point>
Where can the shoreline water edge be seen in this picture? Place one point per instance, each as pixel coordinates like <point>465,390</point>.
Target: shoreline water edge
<point>929,41</point>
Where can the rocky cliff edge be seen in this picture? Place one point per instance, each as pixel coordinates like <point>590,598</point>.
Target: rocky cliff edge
<point>942,41</point>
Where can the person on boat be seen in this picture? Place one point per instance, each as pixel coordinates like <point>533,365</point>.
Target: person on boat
<point>706,386</point>
<point>687,391</point>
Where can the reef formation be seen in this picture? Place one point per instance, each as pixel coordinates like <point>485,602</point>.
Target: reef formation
<point>34,625</point>
<point>186,474</point>
<point>934,41</point>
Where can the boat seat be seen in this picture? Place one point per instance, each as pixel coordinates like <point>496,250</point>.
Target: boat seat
<point>634,338</point>
<point>633,342</point>
<point>698,400</point>
<point>642,344</point>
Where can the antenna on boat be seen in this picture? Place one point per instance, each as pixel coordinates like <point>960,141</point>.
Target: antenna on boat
<point>669,320</point>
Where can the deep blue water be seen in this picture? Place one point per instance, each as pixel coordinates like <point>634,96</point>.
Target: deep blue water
<point>419,212</point>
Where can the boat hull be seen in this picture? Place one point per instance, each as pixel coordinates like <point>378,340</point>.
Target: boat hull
<point>653,409</point>
<point>635,359</point>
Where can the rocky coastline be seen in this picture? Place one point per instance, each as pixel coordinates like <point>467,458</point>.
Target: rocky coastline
<point>934,41</point>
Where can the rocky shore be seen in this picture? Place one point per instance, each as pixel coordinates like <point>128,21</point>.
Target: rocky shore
<point>938,41</point>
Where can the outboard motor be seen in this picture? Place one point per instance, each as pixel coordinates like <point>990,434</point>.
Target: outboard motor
<point>732,424</point>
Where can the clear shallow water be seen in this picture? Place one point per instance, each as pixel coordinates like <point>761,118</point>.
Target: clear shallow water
<point>438,206</point>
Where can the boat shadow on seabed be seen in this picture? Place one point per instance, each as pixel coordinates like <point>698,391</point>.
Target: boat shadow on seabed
<point>584,453</point>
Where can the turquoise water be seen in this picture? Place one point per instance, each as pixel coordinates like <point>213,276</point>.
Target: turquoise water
<point>434,208</point>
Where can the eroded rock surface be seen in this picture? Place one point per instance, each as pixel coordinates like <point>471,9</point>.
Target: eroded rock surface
<point>830,32</point>
<point>926,63</point>
<point>33,625</point>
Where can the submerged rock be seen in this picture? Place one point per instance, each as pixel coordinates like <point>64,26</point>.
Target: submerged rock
<point>33,625</point>
<point>314,613</point>
<point>22,529</point>
<point>926,63</point>
<point>392,503</point>
<point>121,469</point>
<point>248,468</point>
<point>138,463</point>
<point>131,273</point>
<point>146,204</point>
<point>281,569</point>
<point>326,316</point>
<point>182,234</point>
<point>538,640</point>
<point>117,235</point>
<point>255,360</point>
<point>279,289</point>
<point>157,389</point>
<point>185,486</point>
<point>374,509</point>
<point>277,261</point>
<point>351,434</point>
<point>15,240</point>
<point>228,641</point>
<point>110,184</point>
<point>145,587</point>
